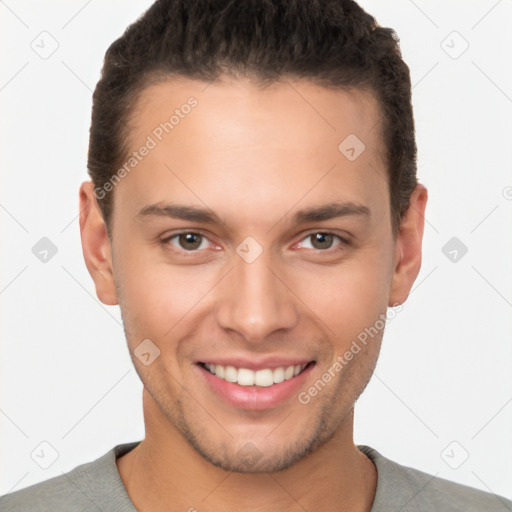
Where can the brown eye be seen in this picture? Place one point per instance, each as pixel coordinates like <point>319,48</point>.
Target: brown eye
<point>322,240</point>
<point>190,241</point>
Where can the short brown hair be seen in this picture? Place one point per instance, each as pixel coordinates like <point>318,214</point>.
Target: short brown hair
<point>333,43</point>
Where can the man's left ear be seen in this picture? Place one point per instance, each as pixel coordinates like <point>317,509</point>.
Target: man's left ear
<point>407,261</point>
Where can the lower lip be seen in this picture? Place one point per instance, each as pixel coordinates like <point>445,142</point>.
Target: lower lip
<point>256,398</point>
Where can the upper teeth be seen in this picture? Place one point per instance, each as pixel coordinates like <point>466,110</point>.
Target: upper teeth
<point>246,377</point>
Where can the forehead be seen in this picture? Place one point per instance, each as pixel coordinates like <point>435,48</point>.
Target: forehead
<point>255,113</point>
<point>260,146</point>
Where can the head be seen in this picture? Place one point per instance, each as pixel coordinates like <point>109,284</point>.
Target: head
<point>253,203</point>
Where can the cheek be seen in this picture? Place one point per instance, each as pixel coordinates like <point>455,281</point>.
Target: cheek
<point>348,303</point>
<point>156,296</point>
<point>349,297</point>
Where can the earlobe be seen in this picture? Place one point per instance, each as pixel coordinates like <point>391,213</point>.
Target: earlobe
<point>96,245</point>
<point>408,245</point>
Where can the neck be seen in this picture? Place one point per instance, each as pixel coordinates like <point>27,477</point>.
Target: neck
<point>336,476</point>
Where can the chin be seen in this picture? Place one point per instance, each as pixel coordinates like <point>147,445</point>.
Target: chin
<point>258,455</point>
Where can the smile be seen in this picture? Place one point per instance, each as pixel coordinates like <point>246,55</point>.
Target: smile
<point>262,378</point>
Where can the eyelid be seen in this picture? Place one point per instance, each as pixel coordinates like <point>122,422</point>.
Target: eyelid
<point>344,241</point>
<point>166,240</point>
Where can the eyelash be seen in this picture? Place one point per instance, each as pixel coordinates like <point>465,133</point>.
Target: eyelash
<point>343,242</point>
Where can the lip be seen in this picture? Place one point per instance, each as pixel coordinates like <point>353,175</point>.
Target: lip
<point>252,364</point>
<point>255,398</point>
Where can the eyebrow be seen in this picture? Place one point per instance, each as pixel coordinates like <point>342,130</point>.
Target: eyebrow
<point>330,211</point>
<point>177,211</point>
<point>205,216</point>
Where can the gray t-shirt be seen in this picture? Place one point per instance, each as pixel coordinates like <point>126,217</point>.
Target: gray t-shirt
<point>97,486</point>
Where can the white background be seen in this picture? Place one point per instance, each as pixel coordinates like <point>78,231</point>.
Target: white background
<point>445,369</point>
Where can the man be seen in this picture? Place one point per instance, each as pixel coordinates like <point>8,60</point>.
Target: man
<point>253,210</point>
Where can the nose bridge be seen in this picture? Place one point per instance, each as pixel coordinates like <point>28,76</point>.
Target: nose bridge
<point>254,301</point>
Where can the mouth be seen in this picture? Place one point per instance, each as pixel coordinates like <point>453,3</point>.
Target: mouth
<point>263,378</point>
<point>263,387</point>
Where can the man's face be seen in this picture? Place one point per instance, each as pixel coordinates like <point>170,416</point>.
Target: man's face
<point>259,281</point>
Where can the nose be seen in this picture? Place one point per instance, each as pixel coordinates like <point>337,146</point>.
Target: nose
<point>255,301</point>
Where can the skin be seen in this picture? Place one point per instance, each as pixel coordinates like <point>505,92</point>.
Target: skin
<point>254,157</point>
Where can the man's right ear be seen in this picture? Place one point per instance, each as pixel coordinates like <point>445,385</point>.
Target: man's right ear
<point>96,245</point>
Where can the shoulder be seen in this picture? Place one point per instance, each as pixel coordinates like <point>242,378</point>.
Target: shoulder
<point>91,487</point>
<point>410,490</point>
